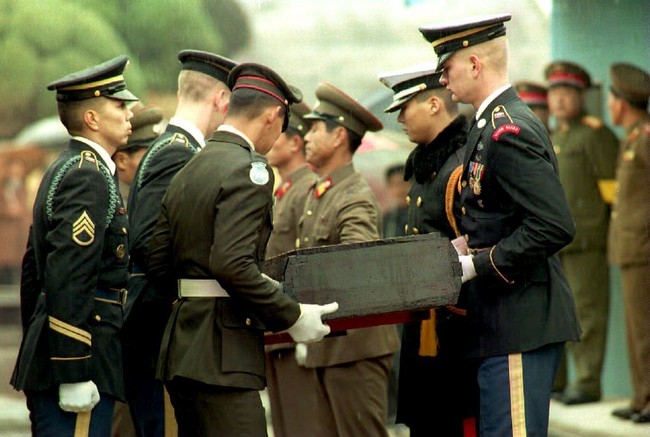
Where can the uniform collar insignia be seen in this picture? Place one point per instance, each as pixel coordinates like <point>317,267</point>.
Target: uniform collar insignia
<point>282,190</point>
<point>322,187</point>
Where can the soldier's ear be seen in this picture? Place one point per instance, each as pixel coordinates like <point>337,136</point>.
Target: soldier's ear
<point>91,119</point>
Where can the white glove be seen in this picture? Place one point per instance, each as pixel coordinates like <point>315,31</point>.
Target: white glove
<point>469,271</point>
<point>301,354</point>
<point>79,396</point>
<point>309,327</point>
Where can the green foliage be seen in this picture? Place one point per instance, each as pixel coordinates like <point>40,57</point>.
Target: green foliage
<point>43,40</point>
<point>157,30</point>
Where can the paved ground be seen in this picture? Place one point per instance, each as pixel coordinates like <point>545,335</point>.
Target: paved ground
<point>591,420</point>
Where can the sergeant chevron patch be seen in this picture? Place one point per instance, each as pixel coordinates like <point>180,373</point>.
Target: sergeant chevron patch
<point>83,230</point>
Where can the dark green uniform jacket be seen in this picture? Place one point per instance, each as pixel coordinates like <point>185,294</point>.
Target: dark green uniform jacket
<point>339,209</point>
<point>515,212</point>
<point>215,221</point>
<point>629,238</point>
<point>74,269</point>
<point>289,203</point>
<point>586,153</point>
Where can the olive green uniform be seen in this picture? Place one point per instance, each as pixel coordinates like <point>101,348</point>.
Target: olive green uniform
<point>586,151</point>
<point>629,248</point>
<point>342,208</point>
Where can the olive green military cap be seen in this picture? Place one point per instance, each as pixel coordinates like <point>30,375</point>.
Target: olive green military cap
<point>333,104</point>
<point>297,119</point>
<point>630,83</point>
<point>567,73</point>
<point>408,82</point>
<point>103,80</point>
<point>145,126</point>
<point>448,37</point>
<point>532,93</point>
<point>208,63</point>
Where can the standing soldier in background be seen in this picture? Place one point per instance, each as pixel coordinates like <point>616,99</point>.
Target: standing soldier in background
<point>346,391</point>
<point>75,268</point>
<point>535,95</point>
<point>438,392</point>
<point>396,217</point>
<point>145,127</point>
<point>514,219</point>
<point>629,239</point>
<point>211,237</point>
<point>586,153</point>
<point>202,103</point>
<point>288,156</point>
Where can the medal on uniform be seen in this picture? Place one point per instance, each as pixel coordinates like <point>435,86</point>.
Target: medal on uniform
<point>120,251</point>
<point>259,174</point>
<point>628,155</point>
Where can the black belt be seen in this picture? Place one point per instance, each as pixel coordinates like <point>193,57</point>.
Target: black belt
<point>112,295</point>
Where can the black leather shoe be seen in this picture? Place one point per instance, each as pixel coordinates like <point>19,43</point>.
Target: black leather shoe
<point>642,416</point>
<point>624,413</point>
<point>577,398</point>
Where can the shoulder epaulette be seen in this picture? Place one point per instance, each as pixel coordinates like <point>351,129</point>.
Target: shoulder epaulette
<point>177,139</point>
<point>85,157</point>
<point>592,122</point>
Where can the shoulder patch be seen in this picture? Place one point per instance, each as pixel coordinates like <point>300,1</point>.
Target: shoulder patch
<point>592,122</point>
<point>506,128</point>
<point>88,156</point>
<point>258,173</point>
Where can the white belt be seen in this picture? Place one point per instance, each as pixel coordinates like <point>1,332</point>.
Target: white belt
<point>200,288</point>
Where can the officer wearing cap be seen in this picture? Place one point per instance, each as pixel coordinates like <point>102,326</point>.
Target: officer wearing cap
<point>432,354</point>
<point>211,236</point>
<point>515,217</point>
<point>201,107</point>
<point>288,157</point>
<point>586,153</point>
<point>145,127</point>
<point>629,243</point>
<point>535,96</point>
<point>344,371</point>
<point>73,285</point>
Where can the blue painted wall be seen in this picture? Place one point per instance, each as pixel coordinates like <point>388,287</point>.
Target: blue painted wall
<point>595,34</point>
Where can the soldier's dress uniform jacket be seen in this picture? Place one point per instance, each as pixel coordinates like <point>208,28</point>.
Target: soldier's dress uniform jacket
<point>75,275</point>
<point>289,204</point>
<point>220,205</point>
<point>341,209</point>
<point>432,355</point>
<point>515,218</point>
<point>147,313</point>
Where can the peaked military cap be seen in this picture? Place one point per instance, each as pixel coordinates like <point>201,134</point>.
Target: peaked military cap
<point>566,73</point>
<point>297,121</point>
<point>447,38</point>
<point>532,93</point>
<point>333,104</point>
<point>407,82</point>
<point>207,63</point>
<point>630,83</point>
<point>261,78</point>
<point>145,126</point>
<point>103,80</point>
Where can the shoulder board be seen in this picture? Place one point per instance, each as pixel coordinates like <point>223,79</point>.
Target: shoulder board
<point>592,122</point>
<point>177,139</point>
<point>85,158</point>
<point>88,157</point>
